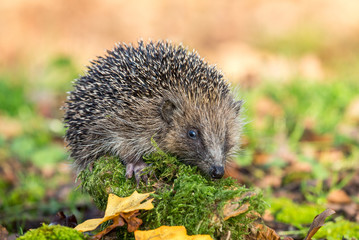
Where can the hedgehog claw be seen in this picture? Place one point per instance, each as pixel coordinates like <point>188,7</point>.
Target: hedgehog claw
<point>129,170</point>
<point>136,169</point>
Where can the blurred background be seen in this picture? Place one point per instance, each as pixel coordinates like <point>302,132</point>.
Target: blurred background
<point>296,62</point>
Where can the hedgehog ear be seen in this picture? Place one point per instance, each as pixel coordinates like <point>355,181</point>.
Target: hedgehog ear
<point>238,106</point>
<point>167,109</point>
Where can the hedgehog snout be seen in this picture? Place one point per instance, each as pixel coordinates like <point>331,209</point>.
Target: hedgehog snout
<point>216,172</point>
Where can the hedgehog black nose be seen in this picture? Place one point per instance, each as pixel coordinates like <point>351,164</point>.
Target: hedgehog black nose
<point>216,172</point>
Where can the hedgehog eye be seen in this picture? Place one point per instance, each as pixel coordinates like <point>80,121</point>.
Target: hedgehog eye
<point>192,134</point>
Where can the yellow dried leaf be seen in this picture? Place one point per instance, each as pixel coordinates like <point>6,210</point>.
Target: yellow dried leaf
<point>89,225</point>
<point>166,232</point>
<point>115,206</point>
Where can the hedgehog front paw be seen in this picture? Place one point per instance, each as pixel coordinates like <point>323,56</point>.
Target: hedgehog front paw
<point>136,169</point>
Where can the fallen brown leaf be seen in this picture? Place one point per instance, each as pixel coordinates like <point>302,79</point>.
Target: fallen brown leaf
<point>339,196</point>
<point>132,221</point>
<point>260,231</point>
<point>271,180</point>
<point>267,216</point>
<point>233,208</point>
<point>3,233</point>
<point>299,167</point>
<point>310,136</point>
<point>260,158</point>
<point>330,156</point>
<point>8,170</point>
<point>348,210</point>
<point>117,222</point>
<point>318,222</point>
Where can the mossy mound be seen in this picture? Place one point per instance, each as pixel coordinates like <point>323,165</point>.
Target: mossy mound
<point>55,232</point>
<point>182,196</point>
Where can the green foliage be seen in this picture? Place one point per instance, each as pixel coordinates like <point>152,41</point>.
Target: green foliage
<point>339,229</point>
<point>50,155</point>
<point>302,215</point>
<point>27,149</point>
<point>30,191</point>
<point>286,211</point>
<point>12,96</point>
<point>302,99</point>
<point>55,232</point>
<point>322,103</point>
<point>182,195</point>
<point>23,147</point>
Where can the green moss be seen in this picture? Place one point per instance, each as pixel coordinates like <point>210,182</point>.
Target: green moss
<point>182,195</point>
<point>340,229</point>
<point>55,232</point>
<point>287,211</point>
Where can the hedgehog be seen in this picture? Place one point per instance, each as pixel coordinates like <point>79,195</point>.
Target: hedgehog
<point>153,90</point>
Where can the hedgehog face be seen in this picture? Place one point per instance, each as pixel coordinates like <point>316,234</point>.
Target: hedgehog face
<point>204,149</point>
<point>202,138</point>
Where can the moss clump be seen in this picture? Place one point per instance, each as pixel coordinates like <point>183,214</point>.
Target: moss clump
<point>182,195</point>
<point>55,232</point>
<point>339,229</point>
<point>287,211</point>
